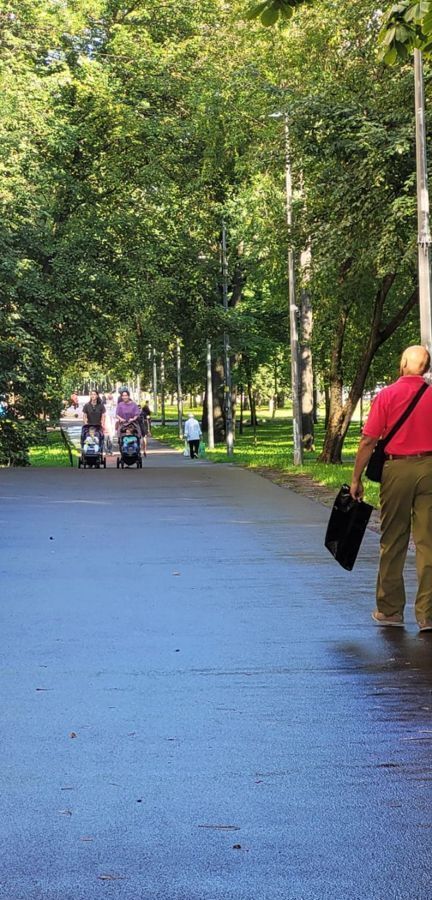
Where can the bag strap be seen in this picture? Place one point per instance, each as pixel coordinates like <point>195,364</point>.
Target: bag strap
<point>405,414</point>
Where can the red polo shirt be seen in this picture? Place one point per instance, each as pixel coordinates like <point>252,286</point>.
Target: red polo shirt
<point>415,435</point>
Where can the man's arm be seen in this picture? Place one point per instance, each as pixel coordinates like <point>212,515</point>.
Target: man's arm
<point>364,453</point>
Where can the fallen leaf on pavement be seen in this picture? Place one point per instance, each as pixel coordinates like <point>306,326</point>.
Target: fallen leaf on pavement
<point>73,734</point>
<point>65,812</point>
<point>111,877</point>
<point>86,838</point>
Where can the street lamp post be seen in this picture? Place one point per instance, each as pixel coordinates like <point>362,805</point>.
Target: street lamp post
<point>294,341</point>
<point>162,383</point>
<point>424,236</point>
<point>155,396</point>
<point>227,361</point>
<point>210,423</point>
<point>179,391</point>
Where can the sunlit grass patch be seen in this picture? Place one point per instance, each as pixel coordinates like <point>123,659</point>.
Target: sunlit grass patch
<point>50,453</point>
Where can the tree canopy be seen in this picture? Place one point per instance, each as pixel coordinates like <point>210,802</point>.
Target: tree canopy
<point>130,129</point>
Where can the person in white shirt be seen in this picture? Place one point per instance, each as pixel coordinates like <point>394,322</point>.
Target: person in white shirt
<point>192,433</point>
<point>110,421</point>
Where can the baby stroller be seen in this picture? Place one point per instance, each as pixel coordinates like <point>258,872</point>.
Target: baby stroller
<point>92,452</point>
<point>129,445</point>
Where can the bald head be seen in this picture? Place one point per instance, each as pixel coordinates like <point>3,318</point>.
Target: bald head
<point>415,360</point>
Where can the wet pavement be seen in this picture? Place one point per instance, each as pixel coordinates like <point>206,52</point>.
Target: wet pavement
<point>195,702</point>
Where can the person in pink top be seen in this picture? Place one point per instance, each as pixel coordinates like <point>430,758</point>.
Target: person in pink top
<point>406,488</point>
<point>127,411</point>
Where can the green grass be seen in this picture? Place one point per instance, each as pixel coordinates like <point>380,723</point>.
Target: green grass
<point>273,449</point>
<point>51,453</point>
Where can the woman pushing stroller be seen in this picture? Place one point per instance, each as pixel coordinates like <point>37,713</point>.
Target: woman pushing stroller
<point>127,412</point>
<point>94,412</point>
<point>92,433</point>
<point>128,415</point>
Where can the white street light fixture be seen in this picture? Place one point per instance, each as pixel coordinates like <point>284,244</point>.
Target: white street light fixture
<point>424,236</point>
<point>293,309</point>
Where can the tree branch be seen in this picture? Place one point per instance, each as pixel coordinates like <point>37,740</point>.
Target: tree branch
<point>380,299</point>
<point>385,333</point>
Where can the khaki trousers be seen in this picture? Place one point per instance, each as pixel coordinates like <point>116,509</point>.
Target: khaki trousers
<point>406,501</point>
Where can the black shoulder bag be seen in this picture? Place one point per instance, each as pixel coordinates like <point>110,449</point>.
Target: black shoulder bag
<point>375,465</point>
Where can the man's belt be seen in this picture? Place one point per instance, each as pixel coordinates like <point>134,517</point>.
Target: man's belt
<point>408,455</point>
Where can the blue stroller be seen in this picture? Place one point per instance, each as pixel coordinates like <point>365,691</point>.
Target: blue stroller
<point>92,451</point>
<point>129,445</point>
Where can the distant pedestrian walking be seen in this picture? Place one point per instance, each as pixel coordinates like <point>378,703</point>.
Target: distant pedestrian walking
<point>146,412</point>
<point>406,487</point>
<point>192,433</point>
<point>145,423</point>
<point>110,421</point>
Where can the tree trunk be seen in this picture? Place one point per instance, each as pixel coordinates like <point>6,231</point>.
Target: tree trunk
<point>252,404</point>
<point>204,414</point>
<point>341,412</point>
<point>327,404</point>
<point>315,400</point>
<point>218,401</point>
<point>307,381</point>
<point>331,449</point>
<point>250,392</point>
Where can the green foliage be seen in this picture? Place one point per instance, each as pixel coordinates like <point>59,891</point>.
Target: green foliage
<point>48,452</point>
<point>128,131</point>
<point>272,11</point>
<point>406,26</point>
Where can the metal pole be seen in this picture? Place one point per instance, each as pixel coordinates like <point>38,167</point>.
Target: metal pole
<point>162,381</point>
<point>227,360</point>
<point>424,236</point>
<point>149,358</point>
<point>155,396</point>
<point>179,391</point>
<point>210,423</point>
<point>294,341</point>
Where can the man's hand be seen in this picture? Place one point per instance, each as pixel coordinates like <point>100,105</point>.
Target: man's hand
<point>364,454</point>
<point>357,489</point>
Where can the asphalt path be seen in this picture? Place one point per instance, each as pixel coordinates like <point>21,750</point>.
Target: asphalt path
<point>195,704</point>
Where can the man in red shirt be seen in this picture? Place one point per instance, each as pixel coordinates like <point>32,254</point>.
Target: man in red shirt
<point>406,489</point>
